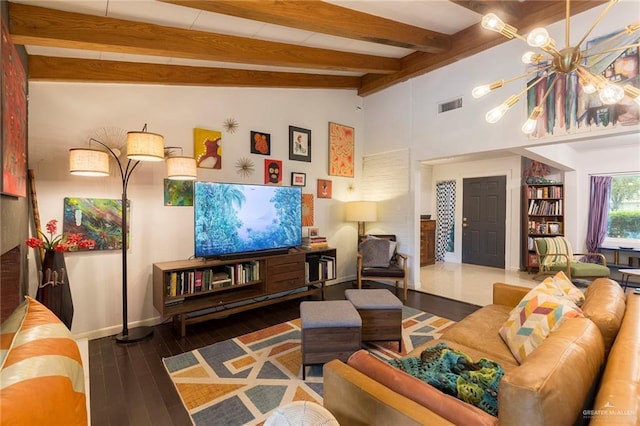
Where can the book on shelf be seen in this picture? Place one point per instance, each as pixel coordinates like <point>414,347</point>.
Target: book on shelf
<point>314,242</point>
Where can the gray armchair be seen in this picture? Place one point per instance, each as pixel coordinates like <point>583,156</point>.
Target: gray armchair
<point>378,259</point>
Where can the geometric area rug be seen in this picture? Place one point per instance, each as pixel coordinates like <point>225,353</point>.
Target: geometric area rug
<point>240,381</point>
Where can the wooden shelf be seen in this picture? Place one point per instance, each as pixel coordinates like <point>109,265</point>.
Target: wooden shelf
<point>542,207</point>
<point>271,279</point>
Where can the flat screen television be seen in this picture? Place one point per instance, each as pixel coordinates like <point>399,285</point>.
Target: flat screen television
<point>234,219</point>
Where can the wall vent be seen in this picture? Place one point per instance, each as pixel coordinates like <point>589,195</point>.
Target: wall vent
<point>449,105</point>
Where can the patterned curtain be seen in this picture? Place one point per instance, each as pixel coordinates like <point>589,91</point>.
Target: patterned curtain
<point>445,221</point>
<point>598,211</point>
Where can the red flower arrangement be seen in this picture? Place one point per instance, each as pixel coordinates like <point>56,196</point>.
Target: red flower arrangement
<point>62,242</point>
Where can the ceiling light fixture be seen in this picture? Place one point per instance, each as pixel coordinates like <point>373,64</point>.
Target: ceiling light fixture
<point>554,63</point>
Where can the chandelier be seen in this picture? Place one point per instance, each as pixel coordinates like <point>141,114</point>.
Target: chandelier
<point>552,63</point>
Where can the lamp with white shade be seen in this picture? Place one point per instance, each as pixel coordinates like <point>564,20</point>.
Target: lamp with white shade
<point>361,212</point>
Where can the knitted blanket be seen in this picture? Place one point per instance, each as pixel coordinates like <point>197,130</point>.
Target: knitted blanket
<point>455,373</point>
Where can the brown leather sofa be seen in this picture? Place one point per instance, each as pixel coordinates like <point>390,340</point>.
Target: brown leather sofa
<point>555,385</point>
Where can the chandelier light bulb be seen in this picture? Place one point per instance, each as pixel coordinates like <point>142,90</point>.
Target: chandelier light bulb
<point>491,22</point>
<point>588,87</point>
<point>530,125</point>
<point>538,37</point>
<point>498,112</point>
<point>633,93</point>
<point>611,94</point>
<point>531,57</point>
<point>480,91</point>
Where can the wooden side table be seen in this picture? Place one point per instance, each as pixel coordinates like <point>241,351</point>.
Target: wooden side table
<point>626,273</point>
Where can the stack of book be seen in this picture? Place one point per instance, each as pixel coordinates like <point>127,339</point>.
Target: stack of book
<point>314,242</point>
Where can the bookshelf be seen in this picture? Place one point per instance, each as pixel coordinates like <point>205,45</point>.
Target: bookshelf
<point>197,290</point>
<point>543,216</point>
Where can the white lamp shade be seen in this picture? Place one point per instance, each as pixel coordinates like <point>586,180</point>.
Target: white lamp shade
<point>182,168</point>
<point>145,146</point>
<point>88,162</point>
<point>361,211</point>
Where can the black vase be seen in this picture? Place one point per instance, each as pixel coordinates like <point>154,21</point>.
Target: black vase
<point>54,291</point>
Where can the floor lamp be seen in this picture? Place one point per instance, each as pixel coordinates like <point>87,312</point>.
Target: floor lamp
<point>141,146</point>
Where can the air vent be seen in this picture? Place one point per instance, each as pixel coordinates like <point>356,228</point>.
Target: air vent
<point>449,105</point>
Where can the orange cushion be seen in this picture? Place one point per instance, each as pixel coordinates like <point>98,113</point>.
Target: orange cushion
<point>446,406</point>
<point>41,374</point>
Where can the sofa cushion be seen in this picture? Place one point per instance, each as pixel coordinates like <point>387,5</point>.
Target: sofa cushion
<point>605,305</point>
<point>561,285</point>
<point>479,331</point>
<point>376,253</point>
<point>552,384</point>
<point>447,406</point>
<point>41,370</point>
<point>533,319</point>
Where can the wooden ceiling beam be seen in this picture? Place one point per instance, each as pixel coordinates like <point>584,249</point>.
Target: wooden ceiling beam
<point>46,68</point>
<point>31,25</point>
<point>472,40</point>
<point>321,17</point>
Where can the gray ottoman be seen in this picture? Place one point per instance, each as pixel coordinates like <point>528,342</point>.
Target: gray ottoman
<point>331,329</point>
<point>381,314</point>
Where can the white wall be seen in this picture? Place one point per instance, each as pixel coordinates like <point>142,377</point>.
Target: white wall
<point>406,116</point>
<point>62,116</point>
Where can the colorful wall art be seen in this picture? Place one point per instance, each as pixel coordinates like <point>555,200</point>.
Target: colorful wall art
<point>273,172</point>
<point>341,151</point>
<point>178,192</point>
<point>208,148</point>
<point>307,209</point>
<point>98,219</point>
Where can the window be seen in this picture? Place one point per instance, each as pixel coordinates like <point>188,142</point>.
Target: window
<point>623,226</point>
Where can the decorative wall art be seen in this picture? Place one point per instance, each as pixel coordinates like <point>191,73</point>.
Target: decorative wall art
<point>298,179</point>
<point>324,188</point>
<point>299,144</point>
<point>260,143</point>
<point>273,172</point>
<point>307,209</point>
<point>13,92</point>
<point>230,125</point>
<point>98,219</point>
<point>208,149</point>
<point>178,192</point>
<point>245,167</point>
<point>341,150</point>
<point>568,110</point>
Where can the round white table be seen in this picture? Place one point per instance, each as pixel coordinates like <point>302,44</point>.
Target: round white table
<point>301,413</point>
<point>626,273</point>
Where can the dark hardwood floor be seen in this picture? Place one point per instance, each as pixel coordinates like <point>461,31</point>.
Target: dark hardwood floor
<point>129,385</point>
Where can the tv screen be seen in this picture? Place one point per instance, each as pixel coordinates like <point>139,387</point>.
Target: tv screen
<point>237,218</point>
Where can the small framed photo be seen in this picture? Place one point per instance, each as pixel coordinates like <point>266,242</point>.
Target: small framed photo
<point>314,232</point>
<point>299,144</point>
<point>272,172</point>
<point>554,227</point>
<point>542,228</point>
<point>324,188</point>
<point>298,179</point>
<point>260,143</point>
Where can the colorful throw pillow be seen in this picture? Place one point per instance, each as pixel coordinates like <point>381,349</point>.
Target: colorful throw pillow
<point>561,285</point>
<point>41,374</point>
<point>535,317</point>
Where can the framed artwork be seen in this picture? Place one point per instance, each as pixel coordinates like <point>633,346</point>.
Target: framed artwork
<point>554,227</point>
<point>299,144</point>
<point>298,179</point>
<point>341,150</point>
<point>307,209</point>
<point>207,148</point>
<point>324,188</point>
<point>14,120</point>
<point>314,232</point>
<point>98,219</point>
<point>178,192</point>
<point>260,143</point>
<point>273,172</point>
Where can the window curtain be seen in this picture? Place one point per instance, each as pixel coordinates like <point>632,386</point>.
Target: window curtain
<point>445,221</point>
<point>598,211</point>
